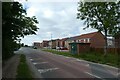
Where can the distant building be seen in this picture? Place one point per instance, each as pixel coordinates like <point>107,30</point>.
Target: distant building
<point>45,43</point>
<point>69,40</point>
<point>37,44</point>
<point>96,39</point>
<point>62,42</point>
<point>52,44</point>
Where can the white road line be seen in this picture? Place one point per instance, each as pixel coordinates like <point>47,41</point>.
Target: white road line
<point>94,75</point>
<point>118,74</point>
<point>45,70</point>
<point>67,57</point>
<point>31,59</point>
<point>79,60</point>
<point>39,63</point>
<point>61,55</point>
<point>87,65</point>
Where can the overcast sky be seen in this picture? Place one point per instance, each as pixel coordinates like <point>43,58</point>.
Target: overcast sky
<point>56,18</point>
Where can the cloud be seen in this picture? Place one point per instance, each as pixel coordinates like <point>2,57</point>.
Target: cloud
<point>56,18</point>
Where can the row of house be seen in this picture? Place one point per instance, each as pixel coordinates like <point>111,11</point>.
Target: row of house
<point>96,40</point>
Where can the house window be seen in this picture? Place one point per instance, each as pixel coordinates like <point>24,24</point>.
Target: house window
<point>88,40</point>
<point>84,40</point>
<point>77,40</point>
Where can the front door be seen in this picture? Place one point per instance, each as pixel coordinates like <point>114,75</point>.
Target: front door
<point>74,48</point>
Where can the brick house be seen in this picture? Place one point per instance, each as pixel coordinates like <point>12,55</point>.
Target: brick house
<point>45,43</point>
<point>96,39</point>
<point>117,41</point>
<point>52,44</point>
<point>57,43</point>
<point>70,40</point>
<point>62,42</point>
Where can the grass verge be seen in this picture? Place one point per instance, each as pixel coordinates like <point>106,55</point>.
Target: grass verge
<point>23,70</point>
<point>109,59</point>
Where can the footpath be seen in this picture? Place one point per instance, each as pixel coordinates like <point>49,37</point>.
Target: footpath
<point>9,69</point>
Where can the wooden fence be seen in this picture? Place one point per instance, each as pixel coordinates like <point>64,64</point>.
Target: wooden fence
<point>109,50</point>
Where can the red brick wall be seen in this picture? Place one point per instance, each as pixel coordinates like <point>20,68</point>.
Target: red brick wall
<point>45,44</point>
<point>97,40</point>
<point>53,44</point>
<point>83,48</point>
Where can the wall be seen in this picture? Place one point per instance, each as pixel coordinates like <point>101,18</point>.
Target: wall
<point>97,41</point>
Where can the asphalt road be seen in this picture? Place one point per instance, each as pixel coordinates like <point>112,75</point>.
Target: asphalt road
<point>48,65</point>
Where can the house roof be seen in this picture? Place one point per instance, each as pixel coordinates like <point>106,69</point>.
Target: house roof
<point>89,35</point>
<point>63,39</point>
<point>36,42</point>
<point>72,38</point>
<point>44,41</point>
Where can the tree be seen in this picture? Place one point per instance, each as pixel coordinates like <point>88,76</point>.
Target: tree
<point>15,24</point>
<point>103,16</point>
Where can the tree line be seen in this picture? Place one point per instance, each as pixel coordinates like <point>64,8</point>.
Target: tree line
<point>15,24</point>
<point>103,16</point>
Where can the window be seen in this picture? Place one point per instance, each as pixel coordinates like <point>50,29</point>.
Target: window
<point>84,40</point>
<point>88,40</point>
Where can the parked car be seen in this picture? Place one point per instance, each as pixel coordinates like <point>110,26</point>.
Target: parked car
<point>64,48</point>
<point>16,49</point>
<point>35,47</point>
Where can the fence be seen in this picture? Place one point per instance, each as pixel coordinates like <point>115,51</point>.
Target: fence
<point>109,50</point>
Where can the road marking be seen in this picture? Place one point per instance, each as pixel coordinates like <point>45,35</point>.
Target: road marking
<point>35,63</point>
<point>39,63</point>
<point>87,65</point>
<point>79,60</point>
<point>31,59</point>
<point>46,70</point>
<point>60,55</point>
<point>94,75</point>
<point>118,74</point>
<point>67,57</point>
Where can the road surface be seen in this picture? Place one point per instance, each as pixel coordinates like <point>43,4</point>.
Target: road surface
<point>48,65</point>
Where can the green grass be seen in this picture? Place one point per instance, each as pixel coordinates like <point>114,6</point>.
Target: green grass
<point>23,70</point>
<point>109,59</point>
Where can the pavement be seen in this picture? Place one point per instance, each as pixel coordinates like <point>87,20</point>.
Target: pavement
<point>48,65</point>
<point>10,67</point>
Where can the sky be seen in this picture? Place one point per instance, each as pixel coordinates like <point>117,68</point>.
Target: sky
<point>56,20</point>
